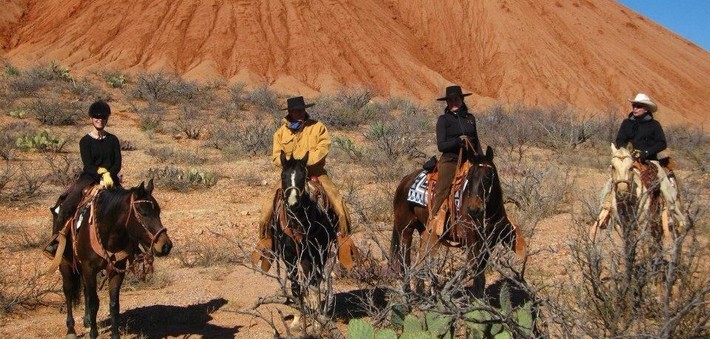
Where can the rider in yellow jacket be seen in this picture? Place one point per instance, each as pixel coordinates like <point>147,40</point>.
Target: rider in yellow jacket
<point>297,135</point>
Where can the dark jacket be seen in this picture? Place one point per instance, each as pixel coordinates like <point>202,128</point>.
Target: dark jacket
<point>104,153</point>
<point>450,126</point>
<point>644,133</point>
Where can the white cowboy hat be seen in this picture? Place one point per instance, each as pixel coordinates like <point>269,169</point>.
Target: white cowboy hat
<point>643,99</point>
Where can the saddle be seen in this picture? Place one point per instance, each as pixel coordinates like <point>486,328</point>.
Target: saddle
<point>448,210</point>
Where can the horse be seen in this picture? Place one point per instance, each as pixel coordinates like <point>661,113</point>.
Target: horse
<point>304,230</point>
<point>483,221</point>
<point>631,200</point>
<point>110,231</point>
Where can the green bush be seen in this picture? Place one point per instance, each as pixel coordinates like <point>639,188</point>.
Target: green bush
<point>43,141</point>
<point>115,79</point>
<point>177,179</point>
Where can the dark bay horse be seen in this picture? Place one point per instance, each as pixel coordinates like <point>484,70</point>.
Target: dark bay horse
<point>111,231</point>
<point>304,230</point>
<point>482,222</point>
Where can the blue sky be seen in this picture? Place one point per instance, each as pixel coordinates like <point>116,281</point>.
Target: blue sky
<point>687,18</point>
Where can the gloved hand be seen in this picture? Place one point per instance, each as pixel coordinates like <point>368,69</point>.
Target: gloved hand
<point>106,179</point>
<point>643,156</point>
<point>462,140</point>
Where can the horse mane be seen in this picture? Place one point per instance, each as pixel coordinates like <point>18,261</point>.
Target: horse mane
<point>109,201</point>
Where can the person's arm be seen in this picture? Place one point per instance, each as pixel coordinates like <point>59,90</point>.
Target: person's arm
<point>659,142</point>
<point>623,136</point>
<point>276,150</point>
<point>451,145</point>
<point>474,137</point>
<point>116,166</point>
<point>322,146</point>
<point>86,158</point>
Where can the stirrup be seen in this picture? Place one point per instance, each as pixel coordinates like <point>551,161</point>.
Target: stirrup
<point>50,250</point>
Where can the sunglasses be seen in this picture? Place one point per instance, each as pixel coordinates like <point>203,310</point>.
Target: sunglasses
<point>637,106</point>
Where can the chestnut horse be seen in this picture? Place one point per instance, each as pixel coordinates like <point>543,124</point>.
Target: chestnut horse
<point>304,230</point>
<point>481,225</point>
<point>117,222</point>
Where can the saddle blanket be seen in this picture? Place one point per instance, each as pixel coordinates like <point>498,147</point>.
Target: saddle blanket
<point>418,191</point>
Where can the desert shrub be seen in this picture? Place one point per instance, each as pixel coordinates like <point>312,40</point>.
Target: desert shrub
<point>42,141</point>
<point>538,192</point>
<point>57,72</point>
<point>25,291</point>
<point>189,93</point>
<point>87,91</point>
<point>19,184</point>
<point>398,135</point>
<point>263,99</point>
<point>236,103</point>
<point>345,110</point>
<point>63,169</point>
<point>348,147</point>
<point>26,83</point>
<point>514,134</point>
<point>19,113</point>
<point>115,79</point>
<point>174,156</point>
<point>177,179</point>
<point>191,121</point>
<point>151,116</point>
<point>156,87</point>
<point>127,145</point>
<point>250,137</point>
<point>55,112</point>
<point>9,134</point>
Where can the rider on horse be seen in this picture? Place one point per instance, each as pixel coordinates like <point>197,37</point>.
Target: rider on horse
<point>647,140</point>
<point>453,129</point>
<point>298,135</point>
<point>101,157</point>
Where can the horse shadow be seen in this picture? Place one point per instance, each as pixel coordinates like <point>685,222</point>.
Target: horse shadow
<point>349,305</point>
<point>160,321</point>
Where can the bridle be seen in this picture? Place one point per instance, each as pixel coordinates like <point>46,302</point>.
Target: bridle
<point>628,181</point>
<point>153,237</point>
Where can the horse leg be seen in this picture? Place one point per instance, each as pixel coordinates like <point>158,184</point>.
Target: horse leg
<point>427,247</point>
<point>70,286</point>
<point>478,259</point>
<point>114,304</point>
<point>91,302</point>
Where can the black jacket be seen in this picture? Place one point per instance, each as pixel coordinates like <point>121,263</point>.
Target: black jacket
<point>104,153</point>
<point>450,126</point>
<point>644,133</point>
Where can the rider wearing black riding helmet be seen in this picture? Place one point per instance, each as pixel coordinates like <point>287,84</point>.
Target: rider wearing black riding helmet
<point>101,157</point>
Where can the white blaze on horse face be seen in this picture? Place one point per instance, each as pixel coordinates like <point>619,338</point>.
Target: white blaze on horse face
<point>621,167</point>
<point>292,196</point>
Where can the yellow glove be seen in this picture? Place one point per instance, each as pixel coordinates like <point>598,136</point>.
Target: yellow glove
<point>106,179</point>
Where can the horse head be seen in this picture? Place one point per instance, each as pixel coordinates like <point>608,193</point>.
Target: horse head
<point>293,179</point>
<point>484,193</point>
<point>148,228</point>
<point>622,170</point>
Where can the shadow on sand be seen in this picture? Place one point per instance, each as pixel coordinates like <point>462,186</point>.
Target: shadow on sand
<point>160,321</point>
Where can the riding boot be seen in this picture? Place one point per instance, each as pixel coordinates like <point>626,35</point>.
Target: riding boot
<point>437,222</point>
<point>50,250</point>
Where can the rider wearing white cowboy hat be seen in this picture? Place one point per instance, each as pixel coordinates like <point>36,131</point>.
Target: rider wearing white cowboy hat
<point>641,130</point>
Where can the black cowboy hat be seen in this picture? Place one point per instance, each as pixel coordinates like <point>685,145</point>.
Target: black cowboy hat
<point>99,110</point>
<point>453,91</point>
<point>296,103</point>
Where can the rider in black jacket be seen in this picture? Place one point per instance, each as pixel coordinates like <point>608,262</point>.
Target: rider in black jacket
<point>645,134</point>
<point>452,129</point>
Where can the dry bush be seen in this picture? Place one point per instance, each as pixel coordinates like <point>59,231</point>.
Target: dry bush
<point>347,109</point>
<point>17,183</point>
<point>86,90</point>
<point>633,288</point>
<point>63,169</point>
<point>235,104</point>
<point>176,156</point>
<point>516,135</point>
<point>249,137</point>
<point>263,100</point>
<point>691,143</point>
<point>115,79</point>
<point>177,179</point>
<point>25,292</point>
<point>24,84</point>
<point>155,87</point>
<point>157,280</point>
<point>191,121</point>
<point>207,251</point>
<point>54,111</point>
<point>538,192</point>
<point>9,134</point>
<point>152,116</point>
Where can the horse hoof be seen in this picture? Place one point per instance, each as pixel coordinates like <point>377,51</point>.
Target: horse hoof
<point>71,336</point>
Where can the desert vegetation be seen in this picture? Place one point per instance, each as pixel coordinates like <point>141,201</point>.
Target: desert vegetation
<point>210,145</point>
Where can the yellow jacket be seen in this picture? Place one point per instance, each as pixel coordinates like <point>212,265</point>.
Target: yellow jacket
<point>312,137</point>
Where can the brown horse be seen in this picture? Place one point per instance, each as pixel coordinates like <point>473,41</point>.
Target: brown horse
<point>110,233</point>
<point>482,222</point>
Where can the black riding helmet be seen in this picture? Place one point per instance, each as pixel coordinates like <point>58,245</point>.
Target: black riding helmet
<point>99,110</point>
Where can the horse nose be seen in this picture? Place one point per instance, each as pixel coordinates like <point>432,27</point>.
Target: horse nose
<point>166,248</point>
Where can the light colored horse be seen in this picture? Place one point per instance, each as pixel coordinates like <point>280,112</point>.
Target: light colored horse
<point>626,199</point>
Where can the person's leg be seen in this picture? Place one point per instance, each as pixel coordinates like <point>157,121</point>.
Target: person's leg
<point>263,253</point>
<point>437,216</point>
<point>347,251</point>
<point>669,191</point>
<point>67,208</point>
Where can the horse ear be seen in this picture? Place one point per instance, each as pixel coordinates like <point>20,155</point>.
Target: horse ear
<point>613,148</point>
<point>305,158</point>
<point>141,187</point>
<point>283,158</point>
<point>149,188</point>
<point>489,153</point>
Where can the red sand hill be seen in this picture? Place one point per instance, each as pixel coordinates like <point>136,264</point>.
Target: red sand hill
<point>591,54</point>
